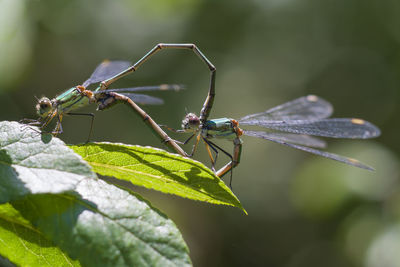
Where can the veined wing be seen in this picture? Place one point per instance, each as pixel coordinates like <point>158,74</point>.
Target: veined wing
<point>309,107</point>
<point>161,87</point>
<point>105,70</point>
<point>305,140</point>
<point>335,127</point>
<point>336,157</point>
<point>145,99</point>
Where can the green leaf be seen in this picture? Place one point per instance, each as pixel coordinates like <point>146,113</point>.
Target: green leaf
<point>159,170</point>
<point>31,163</point>
<point>24,245</point>
<point>103,225</point>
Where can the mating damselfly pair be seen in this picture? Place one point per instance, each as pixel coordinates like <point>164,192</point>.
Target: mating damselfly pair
<point>292,124</point>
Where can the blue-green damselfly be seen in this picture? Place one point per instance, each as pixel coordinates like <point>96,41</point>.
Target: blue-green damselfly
<point>292,124</point>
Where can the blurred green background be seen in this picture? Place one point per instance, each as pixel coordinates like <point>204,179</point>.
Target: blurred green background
<point>303,210</point>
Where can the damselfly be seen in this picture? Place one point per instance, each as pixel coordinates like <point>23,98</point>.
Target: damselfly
<point>107,73</point>
<point>78,96</point>
<point>301,119</point>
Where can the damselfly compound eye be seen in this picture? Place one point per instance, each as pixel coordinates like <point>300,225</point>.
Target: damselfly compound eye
<point>191,121</point>
<point>43,107</point>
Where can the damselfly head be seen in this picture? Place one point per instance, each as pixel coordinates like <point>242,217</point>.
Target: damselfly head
<point>190,122</point>
<point>43,107</point>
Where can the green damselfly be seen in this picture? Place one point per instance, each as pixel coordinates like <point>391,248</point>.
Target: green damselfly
<point>78,96</point>
<point>106,74</point>
<point>292,124</point>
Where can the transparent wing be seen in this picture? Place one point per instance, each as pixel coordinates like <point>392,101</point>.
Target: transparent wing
<point>145,99</point>
<point>335,128</point>
<point>105,70</point>
<point>161,87</point>
<point>305,140</point>
<point>309,107</point>
<point>328,155</point>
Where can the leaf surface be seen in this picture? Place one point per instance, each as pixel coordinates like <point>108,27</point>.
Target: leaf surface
<point>31,163</point>
<point>102,225</point>
<point>56,205</point>
<point>24,245</point>
<point>159,170</point>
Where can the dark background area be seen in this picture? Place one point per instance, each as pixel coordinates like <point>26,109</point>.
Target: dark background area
<point>303,210</point>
